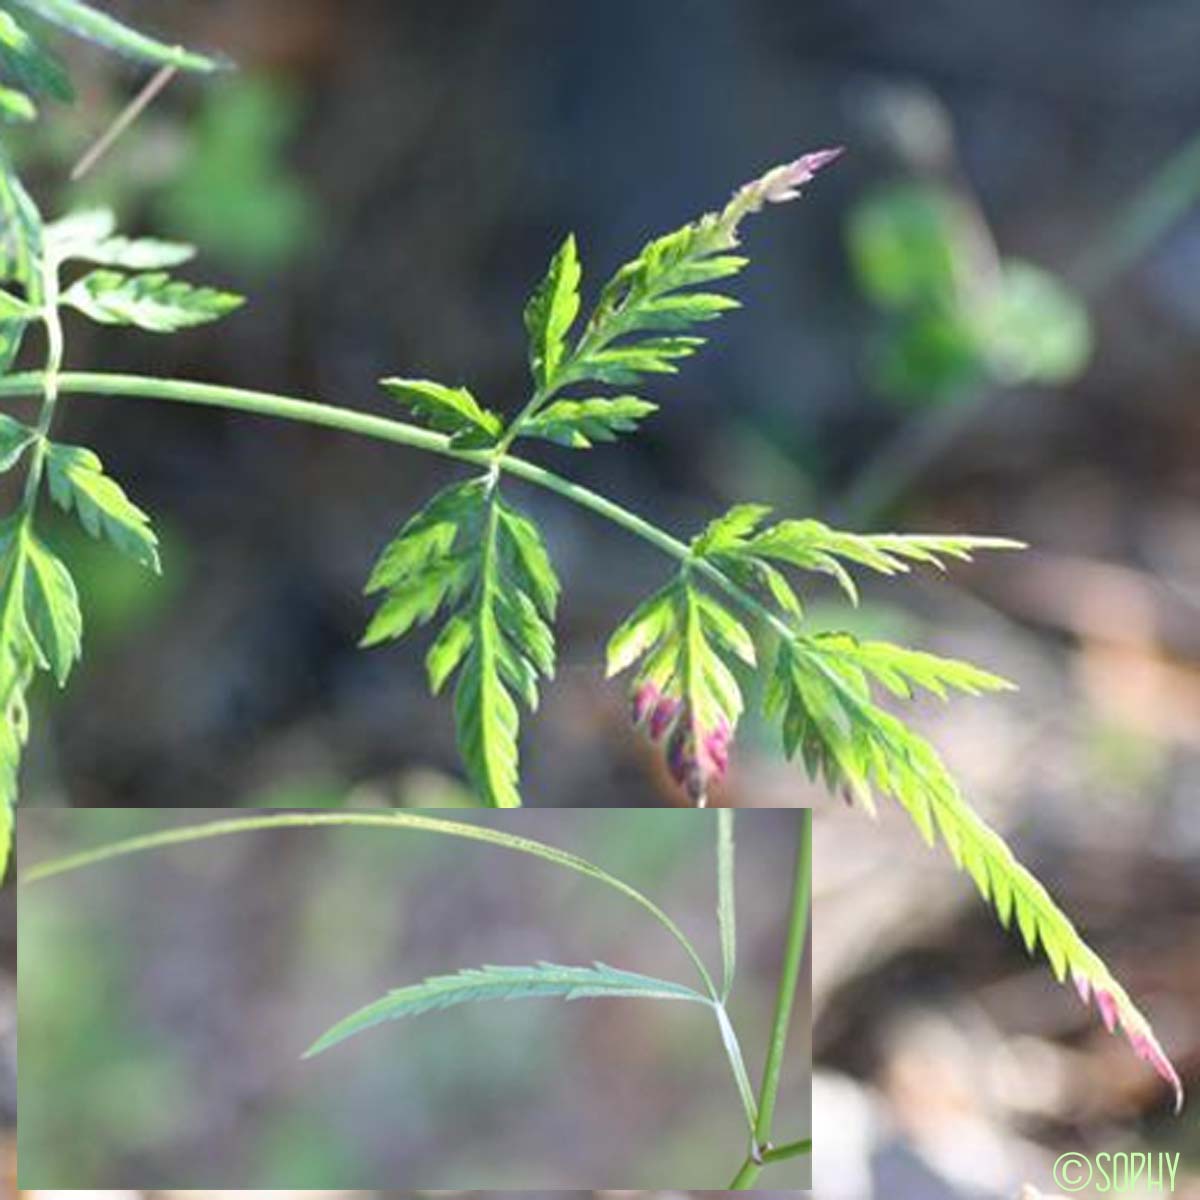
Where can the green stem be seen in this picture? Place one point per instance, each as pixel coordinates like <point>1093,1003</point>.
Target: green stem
<point>48,387</point>
<point>788,1150</point>
<point>793,955</point>
<point>737,1064</point>
<point>532,405</point>
<point>388,820</point>
<point>346,420</point>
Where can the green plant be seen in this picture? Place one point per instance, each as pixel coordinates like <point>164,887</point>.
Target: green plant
<point>958,315</point>
<point>472,559</point>
<point>545,980</point>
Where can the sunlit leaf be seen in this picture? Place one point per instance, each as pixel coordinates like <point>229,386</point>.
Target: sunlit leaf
<point>77,481</point>
<point>451,410</point>
<point>154,302</point>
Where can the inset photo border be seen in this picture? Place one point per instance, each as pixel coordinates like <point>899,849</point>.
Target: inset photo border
<point>312,1000</point>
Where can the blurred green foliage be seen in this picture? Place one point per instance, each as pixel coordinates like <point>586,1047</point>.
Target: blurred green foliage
<point>955,317</point>
<point>234,194</point>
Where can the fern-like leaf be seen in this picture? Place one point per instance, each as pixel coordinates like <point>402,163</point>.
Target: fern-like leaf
<point>470,552</point>
<point>685,693</point>
<point>901,670</point>
<point>826,714</point>
<point>154,301</point>
<point>505,983</point>
<point>449,410</point>
<point>40,629</point>
<point>550,313</point>
<point>739,545</point>
<point>643,321</point>
<point>40,623</point>
<point>90,236</point>
<point>580,423</point>
<point>640,324</point>
<point>77,481</point>
<point>21,233</point>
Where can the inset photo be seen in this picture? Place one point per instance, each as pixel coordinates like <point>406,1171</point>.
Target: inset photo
<point>379,999</point>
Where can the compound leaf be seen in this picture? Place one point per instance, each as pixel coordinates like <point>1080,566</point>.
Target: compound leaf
<point>505,983</point>
<point>827,715</point>
<point>20,232</point>
<point>551,312</point>
<point>449,410</point>
<point>739,544</point>
<point>154,301</point>
<point>471,553</point>
<point>654,294</point>
<point>52,609</point>
<point>40,623</point>
<point>90,236</point>
<point>77,480</point>
<point>901,670</point>
<point>580,423</point>
<point>684,693</point>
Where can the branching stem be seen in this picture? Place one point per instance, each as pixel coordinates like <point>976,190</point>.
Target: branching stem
<point>793,956</point>
<point>346,420</point>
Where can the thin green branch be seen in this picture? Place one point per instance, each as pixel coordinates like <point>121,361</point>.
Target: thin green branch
<point>733,1051</point>
<point>345,420</point>
<point>49,385</point>
<point>389,820</point>
<point>788,1150</point>
<point>789,976</point>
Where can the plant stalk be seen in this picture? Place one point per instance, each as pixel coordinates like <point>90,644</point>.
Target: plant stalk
<point>48,387</point>
<point>363,424</point>
<point>793,956</point>
<point>382,820</point>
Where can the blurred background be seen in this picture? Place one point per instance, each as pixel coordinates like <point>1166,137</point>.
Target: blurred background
<point>984,319</point>
<point>166,1001</point>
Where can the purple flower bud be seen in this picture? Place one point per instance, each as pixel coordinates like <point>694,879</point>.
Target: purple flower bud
<point>644,699</point>
<point>784,183</point>
<point>663,715</point>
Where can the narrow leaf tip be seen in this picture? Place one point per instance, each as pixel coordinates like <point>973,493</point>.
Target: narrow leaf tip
<point>1142,1041</point>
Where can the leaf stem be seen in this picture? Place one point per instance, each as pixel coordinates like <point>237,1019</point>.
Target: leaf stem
<point>793,955</point>
<point>788,1150</point>
<point>389,820</point>
<point>269,404</point>
<point>733,1051</point>
<point>49,386</point>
